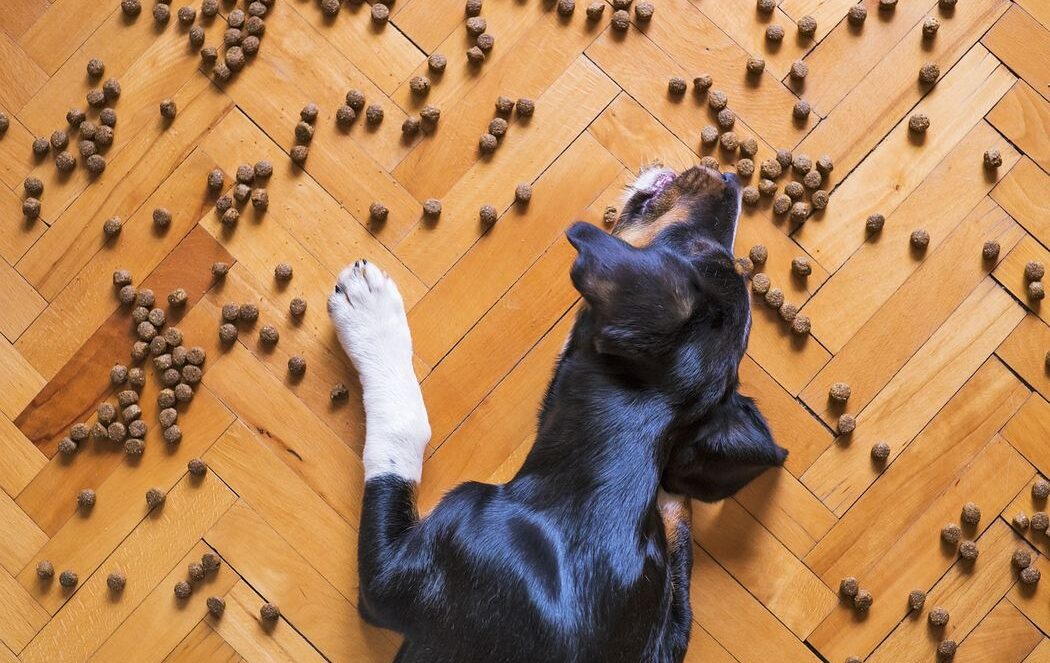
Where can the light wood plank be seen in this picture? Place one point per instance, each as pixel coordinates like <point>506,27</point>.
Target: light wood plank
<point>241,626</point>
<point>1022,116</point>
<point>1024,45</point>
<point>1025,350</point>
<point>1018,193</point>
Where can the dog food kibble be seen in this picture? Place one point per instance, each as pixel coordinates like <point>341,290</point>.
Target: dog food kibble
<point>41,146</point>
<point>1030,575</point>
<point>750,194</point>
<point>800,267</point>
<point>1041,489</point>
<point>755,66</point>
<point>111,89</point>
<point>168,109</point>
<point>708,135</point>
<point>918,123</point>
<point>67,447</point>
<point>807,26</point>
<point>106,413</point>
<point>971,514</point>
<point>161,13</point>
<point>161,218</point>
<point>566,7</point>
<point>710,162</point>
<point>173,434</point>
<point>117,431</point>
<point>59,140</point>
<point>1035,290</point>
<point>155,497</point>
<point>345,116</point>
<point>745,168</point>
<point>145,298</point>
<point>743,267</point>
<point>96,164</point>
<point>86,498</point>
<point>131,413</point>
<point>846,424</point>
<point>131,8</point>
<point>488,215</point>
<point>920,239</point>
<point>946,649</point>
<point>849,587</point>
<point>183,590</point>
<point>297,307</point>
<point>887,5</point>
<point>676,86</point>
<point>930,26</point>
<point>820,199</point>
<point>916,599</point>
<point>136,378</point>
<point>187,15</point>
<point>65,162</point>
<point>938,617</point>
<point>726,119</point>
<point>87,148</point>
<point>282,272</point>
<point>929,73</point>
<point>380,13</point>
<point>621,20</point>
<point>296,365</point>
<point>116,581</point>
<point>782,204</point>
<point>788,311</point>
<point>863,600</point>
<point>268,334</point>
<point>775,33</point>
<point>812,180</point>
<point>260,199</point>
<point>968,551</point>
<point>211,562</point>
<point>339,392</point>
<point>951,533</point>
<point>45,570</point>
<point>771,169</point>
<point>374,113</point>
<point>758,254</point>
<point>801,110</point>
<point>760,284</point>
<point>775,298</point>
<point>993,159</point>
<point>857,14</point>
<point>103,136</point>
<point>800,324</point>
<point>525,107</point>
<point>196,36</point>
<point>304,132</point>
<point>717,100</point>
<point>800,211</point>
<point>799,70</point>
<point>643,11</point>
<point>485,42</point>
<point>138,428</point>
<point>1021,521</point>
<point>170,377</point>
<point>749,147</point>
<point>227,333</point>
<point>1034,271</point>
<point>68,578</point>
<point>729,141</point>
<point>476,25</point>
<point>523,194</point>
<point>269,612</point>
<point>840,392</point>
<point>216,606</point>
<point>875,223</point>
<point>432,208</point>
<point>498,127</point>
<point>118,374</point>
<point>488,143</point>
<point>947,4</point>
<point>1022,558</point>
<point>197,467</point>
<point>595,10</point>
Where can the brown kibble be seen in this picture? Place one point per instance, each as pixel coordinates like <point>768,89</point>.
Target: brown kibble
<point>755,65</point>
<point>807,26</point>
<point>183,590</point>
<point>930,26</point>
<point>268,334</point>
<point>968,551</point>
<point>161,218</point>
<point>1022,558</point>
<point>1040,489</point>
<point>260,199</point>
<point>800,267</point>
<point>498,127</point>
<point>729,141</point>
<point>887,5</point>
<point>227,333</point>
<point>197,467</point>
<point>800,211</point>
<point>758,254</point>
<point>487,144</point>
<point>103,136</point>
<point>345,116</point>
<point>775,298</point>
<point>96,164</point>
<point>131,8</point>
<point>880,451</point>
<point>643,11</point>
<point>138,428</point>
<point>65,162</point>
<point>68,579</point>
<point>775,32</point>
<point>1021,521</point>
<point>929,73</point>
<point>918,123</point>
<point>812,180</point>
<point>971,514</point>
<point>799,70</point>
<point>374,113</point>
<point>782,204</point>
<point>380,13</point>
<point>86,498</point>
<point>951,534</point>
<point>168,109</point>
<point>760,284</point>
<point>211,562</point>
<point>992,158</point>
<point>621,20</point>
<point>946,649</point>
<point>709,135</point>
<point>875,223</point>
<point>916,599</point>
<point>788,311</point>
<point>269,612</point>
<point>523,194</point>
<point>1030,575</point>
<point>339,392</point>
<point>282,272</point>
<point>59,140</point>
<point>801,110</point>
<point>938,616</point>
<point>173,434</point>
<point>750,194</point>
<point>67,447</point>
<point>41,146</point>
<point>726,118</point>
<point>710,162</point>
<point>745,168</point>
<point>476,25</point>
<point>1034,271</point>
<point>488,215</point>
<point>183,393</point>
<point>432,207</point>
<point>920,239</point>
<point>820,199</point>
<point>297,307</point>
<point>45,570</point>
<point>161,13</point>
<point>296,365</point>
<point>849,587</point>
<point>610,215</point>
<point>155,497</point>
<point>1036,291</point>
<point>744,267</point>
<point>863,600</point>
<point>304,132</point>
<point>846,424</point>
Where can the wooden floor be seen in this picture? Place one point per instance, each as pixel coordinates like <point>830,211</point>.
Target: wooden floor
<point>944,351</point>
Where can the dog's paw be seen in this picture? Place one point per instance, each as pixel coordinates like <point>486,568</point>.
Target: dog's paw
<point>369,317</point>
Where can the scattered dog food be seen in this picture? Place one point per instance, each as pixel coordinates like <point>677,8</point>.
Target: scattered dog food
<point>760,284</point>
<point>709,135</point>
<point>621,20</point>
<point>268,334</point>
<point>523,194</point>
<point>750,195</point>
<point>227,333</point>
<point>1035,290</point>
<point>339,392</point>
<point>801,110</point>
<point>992,158</point>
<point>745,168</point>
<point>775,298</point>
<point>269,612</point>
<point>880,451</point>
<point>67,447</point>
<point>951,533</point>
<point>643,11</point>
<point>525,107</point>
<point>729,141</point>
<point>1041,489</point>
<point>197,467</point>
<point>1021,521</point>
<point>929,73</point>
<point>65,162</point>
<point>930,26</point>
<point>800,211</point>
<point>968,551</point>
<point>282,272</point>
<point>410,126</point>
<point>297,307</point>
<point>1030,575</point>
<point>946,649</point>
<point>918,123</point>
<point>758,254</point>
<point>183,590</point>
<point>498,127</point>
<point>799,70</point>
<point>216,606</point>
<point>916,599</point>
<point>116,581</point>
<point>801,325</point>
<point>775,32</point>
<point>676,86</point>
<point>971,514</point>
<point>595,10</point>
<point>86,498</point>
<point>743,266</point>
<point>432,207</point>
<point>566,7</point>
<point>1034,271</point>
<point>938,616</point>
<point>380,13</point>
<point>68,578</point>
<point>374,113</point>
<point>807,26</point>
<point>920,239</point>
<point>847,423</point>
<point>863,600</point>
<point>857,15</point>
<point>874,223</point>
<point>755,65</point>
<point>155,497</point>
<point>782,204</point>
<point>991,249</point>
<point>800,267</point>
<point>726,119</point>
<point>1022,558</point>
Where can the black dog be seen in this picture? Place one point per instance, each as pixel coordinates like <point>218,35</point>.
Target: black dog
<point>581,556</point>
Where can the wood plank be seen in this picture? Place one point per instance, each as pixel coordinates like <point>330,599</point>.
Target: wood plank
<point>899,164</point>
<point>16,160</point>
<point>307,601</point>
<point>19,380</point>
<point>747,550</point>
<point>747,26</point>
<point>75,390</point>
<point>1010,273</point>
<point>1029,430</point>
<point>428,22</point>
<point>907,556</point>
<point>967,591</point>
<point>288,505</point>
<point>21,618</point>
<point>17,16</point>
<point>914,395</point>
<point>907,320</point>
<point>510,248</point>
<point>1022,116</point>
<point>1018,195</point>
<point>736,619</point>
<point>787,509</point>
<point>325,462</point>
<point>19,302</point>
<point>166,619</point>
<point>791,360</point>
<point>203,644</point>
<point>77,541</point>
<point>20,77</point>
<point>63,28</point>
<point>930,466</point>
<point>82,306</point>
<point>430,249</point>
<point>20,460</point>
<point>21,537</point>
<point>498,425</point>
<point>241,626</point>
<point>957,187</point>
<point>1004,635</point>
<point>1024,351</point>
<point>146,556</point>
<point>1024,45</point>
<point>1041,654</point>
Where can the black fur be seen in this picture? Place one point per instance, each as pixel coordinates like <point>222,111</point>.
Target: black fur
<point>569,562</point>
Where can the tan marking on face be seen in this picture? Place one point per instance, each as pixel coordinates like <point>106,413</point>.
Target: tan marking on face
<point>673,205</point>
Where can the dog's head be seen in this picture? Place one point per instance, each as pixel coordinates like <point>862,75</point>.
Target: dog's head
<point>668,312</point>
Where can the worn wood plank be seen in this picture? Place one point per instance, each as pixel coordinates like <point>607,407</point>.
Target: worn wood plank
<point>1024,45</point>
<point>1022,116</point>
<point>1018,194</point>
<point>1024,351</point>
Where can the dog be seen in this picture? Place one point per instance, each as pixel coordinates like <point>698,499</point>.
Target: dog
<point>585,555</point>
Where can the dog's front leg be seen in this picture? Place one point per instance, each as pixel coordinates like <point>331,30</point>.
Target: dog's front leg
<point>369,318</point>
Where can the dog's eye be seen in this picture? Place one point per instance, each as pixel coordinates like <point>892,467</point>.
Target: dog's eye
<point>338,289</point>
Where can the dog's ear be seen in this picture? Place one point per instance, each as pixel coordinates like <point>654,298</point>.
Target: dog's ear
<point>638,296</point>
<point>731,447</point>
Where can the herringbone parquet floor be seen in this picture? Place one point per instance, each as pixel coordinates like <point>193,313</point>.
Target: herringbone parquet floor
<point>945,351</point>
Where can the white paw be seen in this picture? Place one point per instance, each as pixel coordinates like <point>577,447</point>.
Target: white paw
<point>369,317</point>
